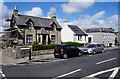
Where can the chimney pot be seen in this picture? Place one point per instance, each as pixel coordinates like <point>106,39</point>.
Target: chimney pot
<point>65,20</point>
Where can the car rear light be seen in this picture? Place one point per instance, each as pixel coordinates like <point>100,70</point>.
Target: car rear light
<point>61,50</point>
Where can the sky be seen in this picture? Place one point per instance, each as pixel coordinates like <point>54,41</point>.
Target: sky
<point>84,14</point>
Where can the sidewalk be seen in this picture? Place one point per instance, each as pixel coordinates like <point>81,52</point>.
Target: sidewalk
<point>10,61</point>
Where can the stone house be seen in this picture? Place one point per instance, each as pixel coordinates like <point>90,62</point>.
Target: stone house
<point>26,29</point>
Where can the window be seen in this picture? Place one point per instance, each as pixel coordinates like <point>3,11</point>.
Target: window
<point>98,45</point>
<point>85,38</point>
<point>79,38</point>
<point>29,25</point>
<point>52,37</point>
<point>72,47</point>
<point>75,29</point>
<point>39,39</point>
<point>29,38</point>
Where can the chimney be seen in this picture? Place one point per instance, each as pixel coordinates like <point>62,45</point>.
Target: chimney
<point>65,20</point>
<point>65,23</point>
<point>15,12</point>
<point>53,17</point>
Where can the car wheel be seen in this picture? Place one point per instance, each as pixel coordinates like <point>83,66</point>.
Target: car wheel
<point>102,51</point>
<point>79,54</point>
<point>65,56</point>
<point>94,52</point>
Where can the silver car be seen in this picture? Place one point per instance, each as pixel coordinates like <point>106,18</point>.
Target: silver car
<point>93,48</point>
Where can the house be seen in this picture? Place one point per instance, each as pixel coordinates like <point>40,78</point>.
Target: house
<point>26,29</point>
<point>102,35</point>
<point>117,36</point>
<point>73,33</point>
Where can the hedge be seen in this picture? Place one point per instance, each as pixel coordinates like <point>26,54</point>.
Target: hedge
<point>74,43</point>
<point>44,46</point>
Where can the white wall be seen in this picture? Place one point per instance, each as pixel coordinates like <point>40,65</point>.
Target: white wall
<point>103,38</point>
<point>96,37</point>
<point>67,34</point>
<point>108,38</point>
<point>82,39</point>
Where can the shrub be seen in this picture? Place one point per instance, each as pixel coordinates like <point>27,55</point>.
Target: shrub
<point>44,46</point>
<point>74,43</point>
<point>2,45</point>
<point>35,42</point>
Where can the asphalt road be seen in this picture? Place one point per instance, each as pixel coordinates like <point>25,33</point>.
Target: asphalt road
<point>101,65</point>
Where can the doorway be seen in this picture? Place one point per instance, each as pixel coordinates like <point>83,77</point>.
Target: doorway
<point>89,40</point>
<point>44,39</point>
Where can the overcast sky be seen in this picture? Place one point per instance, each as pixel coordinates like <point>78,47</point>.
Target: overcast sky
<point>84,14</point>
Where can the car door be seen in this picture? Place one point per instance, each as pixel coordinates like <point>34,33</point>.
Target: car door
<point>72,50</point>
<point>98,47</point>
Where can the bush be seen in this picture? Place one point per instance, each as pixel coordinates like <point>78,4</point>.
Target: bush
<point>44,46</point>
<point>35,42</point>
<point>74,43</point>
<point>2,45</point>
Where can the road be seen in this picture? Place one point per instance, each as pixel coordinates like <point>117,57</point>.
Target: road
<point>101,65</point>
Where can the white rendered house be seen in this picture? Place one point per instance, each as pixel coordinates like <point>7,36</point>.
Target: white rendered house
<point>102,36</point>
<point>73,33</point>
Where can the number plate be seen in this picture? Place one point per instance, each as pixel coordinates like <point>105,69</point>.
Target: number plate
<point>56,54</point>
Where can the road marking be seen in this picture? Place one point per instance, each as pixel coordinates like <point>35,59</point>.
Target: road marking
<point>67,74</point>
<point>106,60</point>
<point>115,71</point>
<point>3,75</point>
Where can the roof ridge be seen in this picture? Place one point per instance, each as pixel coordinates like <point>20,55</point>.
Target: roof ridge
<point>35,17</point>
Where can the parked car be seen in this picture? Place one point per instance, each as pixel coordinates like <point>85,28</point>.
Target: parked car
<point>65,51</point>
<point>93,48</point>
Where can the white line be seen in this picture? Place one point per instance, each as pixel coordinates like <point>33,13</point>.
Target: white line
<point>101,72</point>
<point>67,74</point>
<point>3,75</point>
<point>114,73</point>
<point>106,61</point>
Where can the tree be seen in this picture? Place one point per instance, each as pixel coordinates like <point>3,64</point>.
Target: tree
<point>111,29</point>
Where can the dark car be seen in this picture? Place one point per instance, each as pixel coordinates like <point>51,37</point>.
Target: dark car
<point>65,51</point>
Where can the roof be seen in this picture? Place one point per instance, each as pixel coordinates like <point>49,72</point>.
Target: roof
<point>38,21</point>
<point>43,31</point>
<point>77,30</point>
<point>5,36</point>
<point>106,30</point>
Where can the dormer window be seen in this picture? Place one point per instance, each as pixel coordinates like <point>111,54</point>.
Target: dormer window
<point>52,26</point>
<point>29,25</point>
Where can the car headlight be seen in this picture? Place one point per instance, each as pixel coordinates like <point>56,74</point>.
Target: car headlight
<point>89,49</point>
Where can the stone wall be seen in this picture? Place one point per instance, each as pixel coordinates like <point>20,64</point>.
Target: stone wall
<point>9,52</point>
<point>18,53</point>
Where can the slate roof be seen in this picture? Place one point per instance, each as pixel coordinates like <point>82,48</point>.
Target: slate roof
<point>106,30</point>
<point>77,30</point>
<point>6,36</point>
<point>43,31</point>
<point>38,21</point>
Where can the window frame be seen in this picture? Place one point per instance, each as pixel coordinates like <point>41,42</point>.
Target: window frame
<point>29,26</point>
<point>29,39</point>
<point>52,38</point>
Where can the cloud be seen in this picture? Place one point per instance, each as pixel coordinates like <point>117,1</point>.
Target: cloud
<point>36,11</point>
<point>52,11</point>
<point>97,21</point>
<point>4,13</point>
<point>60,21</point>
<point>75,7</point>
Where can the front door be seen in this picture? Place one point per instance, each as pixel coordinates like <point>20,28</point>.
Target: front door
<point>89,40</point>
<point>44,39</point>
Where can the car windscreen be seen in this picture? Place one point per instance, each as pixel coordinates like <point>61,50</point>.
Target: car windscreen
<point>90,46</point>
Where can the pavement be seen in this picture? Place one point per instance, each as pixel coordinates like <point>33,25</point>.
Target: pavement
<point>100,66</point>
<point>10,61</point>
